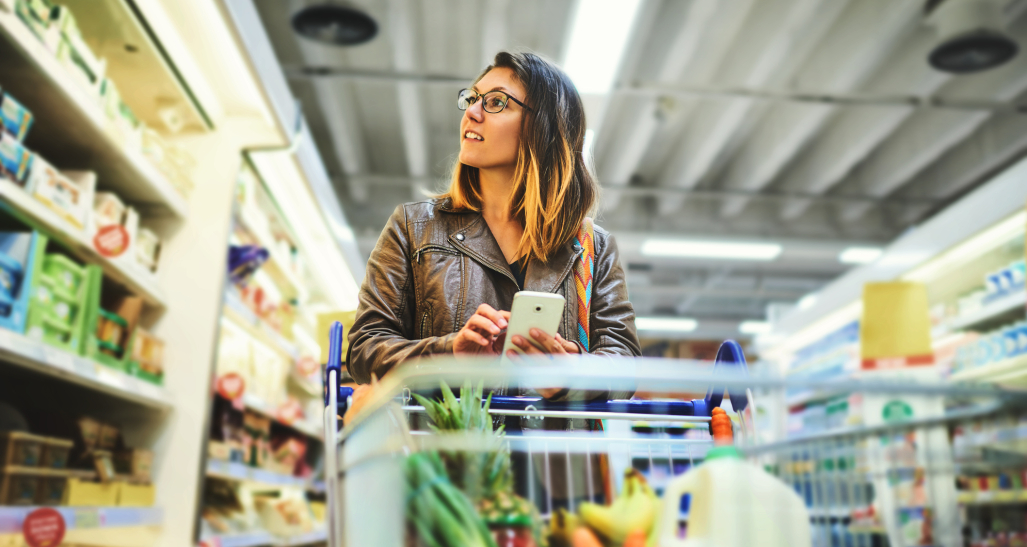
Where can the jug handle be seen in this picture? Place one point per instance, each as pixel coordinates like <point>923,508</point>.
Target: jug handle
<point>672,511</point>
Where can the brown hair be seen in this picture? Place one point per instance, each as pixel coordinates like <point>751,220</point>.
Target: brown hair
<point>552,190</point>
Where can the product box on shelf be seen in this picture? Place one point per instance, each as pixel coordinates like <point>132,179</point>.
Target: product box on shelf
<point>136,494</point>
<point>87,493</point>
<point>15,159</point>
<point>67,193</point>
<point>79,59</point>
<point>36,14</point>
<point>147,249</point>
<point>114,229</point>
<point>56,312</point>
<point>146,359</point>
<point>136,463</point>
<point>110,322</point>
<point>18,256</point>
<point>17,119</point>
<point>122,122</point>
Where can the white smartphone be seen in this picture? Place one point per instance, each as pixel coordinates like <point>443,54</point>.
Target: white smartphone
<point>533,310</point>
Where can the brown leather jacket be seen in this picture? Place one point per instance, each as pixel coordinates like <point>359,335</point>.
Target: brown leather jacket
<point>434,265</point>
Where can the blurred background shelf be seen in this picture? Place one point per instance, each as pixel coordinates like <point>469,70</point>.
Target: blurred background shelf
<point>1008,306</point>
<point>70,125</point>
<point>84,518</point>
<point>22,351</point>
<point>242,316</point>
<point>261,539</point>
<point>34,213</point>
<point>1008,370</point>
<point>235,471</point>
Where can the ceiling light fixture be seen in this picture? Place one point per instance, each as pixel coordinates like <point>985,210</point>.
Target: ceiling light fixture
<point>806,302</point>
<point>334,24</point>
<point>711,249</point>
<point>755,327</point>
<point>599,35</point>
<point>860,255</point>
<point>971,37</point>
<point>666,324</point>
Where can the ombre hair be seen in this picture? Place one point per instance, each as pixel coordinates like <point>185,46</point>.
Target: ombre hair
<point>552,191</point>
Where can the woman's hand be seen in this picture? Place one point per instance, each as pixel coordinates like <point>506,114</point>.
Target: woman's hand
<point>483,334</point>
<point>551,345</point>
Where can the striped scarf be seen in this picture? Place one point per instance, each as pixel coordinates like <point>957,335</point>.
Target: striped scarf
<point>584,267</point>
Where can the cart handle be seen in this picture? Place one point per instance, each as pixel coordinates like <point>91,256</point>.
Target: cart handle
<point>334,355</point>
<point>730,356</point>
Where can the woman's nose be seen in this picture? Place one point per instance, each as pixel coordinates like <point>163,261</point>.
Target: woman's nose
<point>476,111</point>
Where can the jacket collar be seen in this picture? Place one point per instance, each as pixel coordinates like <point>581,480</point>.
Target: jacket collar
<point>476,240</point>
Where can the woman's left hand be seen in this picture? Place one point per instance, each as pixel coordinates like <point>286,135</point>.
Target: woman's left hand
<point>551,345</point>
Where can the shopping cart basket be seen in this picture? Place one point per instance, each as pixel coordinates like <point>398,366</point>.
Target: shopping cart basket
<point>900,472</point>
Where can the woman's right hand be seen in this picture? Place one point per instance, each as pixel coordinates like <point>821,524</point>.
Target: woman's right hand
<point>483,334</point>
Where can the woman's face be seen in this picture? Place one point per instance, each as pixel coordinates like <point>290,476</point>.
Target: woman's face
<point>500,134</point>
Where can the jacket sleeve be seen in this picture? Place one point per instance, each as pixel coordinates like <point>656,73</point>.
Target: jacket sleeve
<point>379,339</point>
<point>611,316</point>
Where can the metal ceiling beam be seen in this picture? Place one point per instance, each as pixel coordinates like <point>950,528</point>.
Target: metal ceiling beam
<point>924,138</point>
<point>621,151</point>
<point>857,131</point>
<point>336,101</point>
<point>493,31</point>
<point>411,115</point>
<point>678,291</point>
<point>844,62</point>
<point>776,45</point>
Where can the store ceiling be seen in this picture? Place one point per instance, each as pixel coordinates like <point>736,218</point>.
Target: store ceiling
<point>816,124</point>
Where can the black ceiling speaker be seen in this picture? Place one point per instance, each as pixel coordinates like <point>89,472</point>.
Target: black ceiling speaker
<point>971,38</point>
<point>334,24</point>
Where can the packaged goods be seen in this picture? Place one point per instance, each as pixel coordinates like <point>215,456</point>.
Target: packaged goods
<point>11,273</point>
<point>135,462</point>
<point>110,328</point>
<point>107,209</point>
<point>17,119</point>
<point>69,193</point>
<point>123,124</point>
<point>147,248</point>
<point>148,356</point>
<point>36,14</point>
<point>21,449</point>
<point>15,159</point>
<point>55,453</point>
<point>75,54</point>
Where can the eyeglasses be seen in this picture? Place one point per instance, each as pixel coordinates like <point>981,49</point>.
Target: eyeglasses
<point>494,101</point>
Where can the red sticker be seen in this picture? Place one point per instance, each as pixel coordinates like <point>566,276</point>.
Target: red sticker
<point>43,527</point>
<point>231,386</point>
<point>111,241</point>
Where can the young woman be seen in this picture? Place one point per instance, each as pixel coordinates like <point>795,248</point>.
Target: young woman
<point>445,271</point>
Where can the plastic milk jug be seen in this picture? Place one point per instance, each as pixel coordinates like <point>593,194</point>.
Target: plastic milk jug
<point>734,504</point>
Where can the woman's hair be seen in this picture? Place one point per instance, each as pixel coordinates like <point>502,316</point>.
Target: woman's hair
<point>552,190</point>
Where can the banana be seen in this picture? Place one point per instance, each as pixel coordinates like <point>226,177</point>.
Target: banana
<point>561,528</point>
<point>635,509</point>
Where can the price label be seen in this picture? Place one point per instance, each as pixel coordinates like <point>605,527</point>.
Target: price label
<point>1005,495</point>
<point>986,495</point>
<point>87,518</point>
<point>43,527</point>
<point>59,359</point>
<point>110,377</point>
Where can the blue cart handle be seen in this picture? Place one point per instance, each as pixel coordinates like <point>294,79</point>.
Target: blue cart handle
<point>730,356</point>
<point>334,357</point>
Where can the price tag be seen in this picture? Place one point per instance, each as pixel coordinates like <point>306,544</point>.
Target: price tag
<point>110,377</point>
<point>43,527</point>
<point>1005,495</point>
<point>986,495</point>
<point>59,359</point>
<point>87,518</point>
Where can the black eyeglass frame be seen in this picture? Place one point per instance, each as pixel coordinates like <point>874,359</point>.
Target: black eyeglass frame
<point>483,95</point>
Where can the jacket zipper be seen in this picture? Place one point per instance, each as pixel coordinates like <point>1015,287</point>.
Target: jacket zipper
<point>424,321</point>
<point>438,248</point>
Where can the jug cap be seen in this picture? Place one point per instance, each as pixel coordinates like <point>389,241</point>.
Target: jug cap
<point>723,452</point>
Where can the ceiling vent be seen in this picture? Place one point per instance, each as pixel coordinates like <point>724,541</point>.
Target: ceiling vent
<point>334,24</point>
<point>970,36</point>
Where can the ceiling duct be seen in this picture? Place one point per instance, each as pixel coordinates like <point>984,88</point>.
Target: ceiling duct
<point>971,37</point>
<point>334,24</point>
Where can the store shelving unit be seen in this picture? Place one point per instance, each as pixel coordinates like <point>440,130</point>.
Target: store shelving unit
<point>240,315</point>
<point>34,355</point>
<point>238,472</point>
<point>264,409</point>
<point>1006,305</point>
<point>993,497</point>
<point>86,518</point>
<point>34,213</point>
<point>1007,370</point>
<point>70,124</point>
<point>262,539</point>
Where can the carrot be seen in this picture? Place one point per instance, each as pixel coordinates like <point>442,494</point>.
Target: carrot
<point>635,539</point>
<point>583,537</point>
<point>720,426</point>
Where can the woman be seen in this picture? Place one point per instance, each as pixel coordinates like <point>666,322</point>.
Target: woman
<point>444,271</point>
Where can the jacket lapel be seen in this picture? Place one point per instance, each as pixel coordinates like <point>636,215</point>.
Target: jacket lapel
<point>548,277</point>
<point>476,240</point>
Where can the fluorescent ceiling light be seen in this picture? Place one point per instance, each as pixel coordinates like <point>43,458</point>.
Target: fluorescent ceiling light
<point>599,35</point>
<point>711,249</point>
<point>860,255</point>
<point>754,327</point>
<point>666,324</point>
<point>807,301</point>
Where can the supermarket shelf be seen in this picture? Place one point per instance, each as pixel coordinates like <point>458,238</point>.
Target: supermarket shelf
<point>277,264</point>
<point>263,408</point>
<point>262,538</point>
<point>1006,370</point>
<point>995,309</point>
<point>239,314</point>
<point>81,518</point>
<point>30,210</point>
<point>23,351</point>
<point>70,126</point>
<point>239,472</point>
<point>992,497</point>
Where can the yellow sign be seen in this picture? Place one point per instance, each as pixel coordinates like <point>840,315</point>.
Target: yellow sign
<point>896,327</point>
<point>324,322</point>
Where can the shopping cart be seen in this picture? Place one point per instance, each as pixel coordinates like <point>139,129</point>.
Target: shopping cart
<point>902,473</point>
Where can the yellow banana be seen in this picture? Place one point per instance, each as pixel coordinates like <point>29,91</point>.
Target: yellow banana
<point>561,528</point>
<point>635,509</point>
